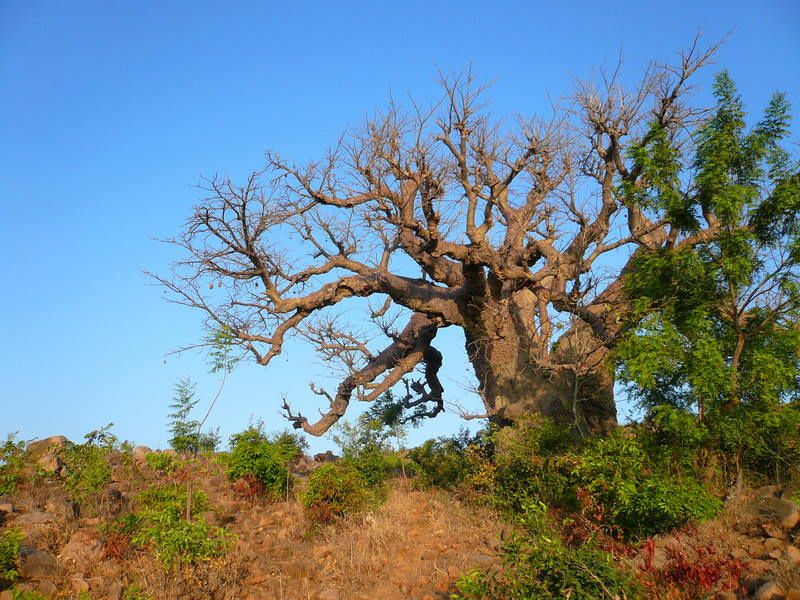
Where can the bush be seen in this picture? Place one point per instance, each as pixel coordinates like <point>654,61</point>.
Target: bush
<point>364,445</point>
<point>158,525</point>
<point>764,440</point>
<point>186,437</point>
<point>619,484</point>
<point>444,462</point>
<point>86,466</point>
<point>9,553</point>
<point>533,461</point>
<point>12,457</point>
<point>254,456</point>
<point>288,446</point>
<point>161,462</point>
<point>539,565</point>
<point>334,491</point>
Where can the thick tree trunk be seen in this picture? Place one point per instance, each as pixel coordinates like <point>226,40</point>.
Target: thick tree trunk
<point>513,383</point>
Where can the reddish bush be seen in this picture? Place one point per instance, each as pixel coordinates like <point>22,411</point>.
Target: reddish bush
<point>117,545</point>
<point>249,487</point>
<point>690,571</point>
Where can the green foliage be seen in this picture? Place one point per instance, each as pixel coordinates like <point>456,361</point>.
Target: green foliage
<point>158,525</point>
<point>445,462</point>
<point>288,446</point>
<point>9,553</point>
<point>335,491</point>
<point>86,466</point>
<point>12,458</point>
<point>365,444</point>
<point>539,565</point>
<point>765,442</point>
<point>252,454</point>
<point>533,460</point>
<point>714,323</point>
<point>28,595</point>
<point>161,462</point>
<point>619,480</point>
<point>186,435</point>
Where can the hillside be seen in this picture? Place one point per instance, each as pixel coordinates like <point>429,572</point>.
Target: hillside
<point>410,543</point>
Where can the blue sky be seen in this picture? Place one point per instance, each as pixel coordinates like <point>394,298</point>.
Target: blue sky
<point>110,113</point>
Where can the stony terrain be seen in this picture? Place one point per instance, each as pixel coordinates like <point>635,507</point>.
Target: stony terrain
<point>414,546</point>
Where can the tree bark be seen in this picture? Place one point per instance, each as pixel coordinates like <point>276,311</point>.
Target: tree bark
<point>518,377</point>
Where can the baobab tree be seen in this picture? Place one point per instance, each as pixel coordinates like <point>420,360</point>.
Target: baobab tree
<point>443,217</point>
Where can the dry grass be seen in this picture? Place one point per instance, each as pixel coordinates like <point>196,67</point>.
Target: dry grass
<point>414,537</point>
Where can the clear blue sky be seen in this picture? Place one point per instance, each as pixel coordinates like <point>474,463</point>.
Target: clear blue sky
<point>111,111</point>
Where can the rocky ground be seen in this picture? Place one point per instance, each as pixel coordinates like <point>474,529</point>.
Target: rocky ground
<point>414,546</point>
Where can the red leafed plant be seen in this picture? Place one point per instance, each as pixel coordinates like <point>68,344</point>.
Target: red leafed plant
<point>249,487</point>
<point>690,571</point>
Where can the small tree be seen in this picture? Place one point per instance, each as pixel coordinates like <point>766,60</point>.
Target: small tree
<point>716,322</point>
<point>186,435</point>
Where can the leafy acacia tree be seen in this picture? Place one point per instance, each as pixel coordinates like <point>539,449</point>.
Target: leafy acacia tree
<point>717,323</point>
<point>518,236</point>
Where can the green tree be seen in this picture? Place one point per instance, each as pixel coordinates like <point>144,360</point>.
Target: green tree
<point>716,320</point>
<point>186,435</point>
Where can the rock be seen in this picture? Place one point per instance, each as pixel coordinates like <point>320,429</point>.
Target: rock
<point>328,594</point>
<point>39,447</point>
<point>793,594</point>
<point>793,554</point>
<point>83,550</point>
<point>783,513</point>
<point>35,564</point>
<point>115,591</point>
<point>324,457</point>
<point>768,591</point>
<point>33,518</point>
<point>7,595</point>
<point>79,584</point>
<point>140,452</point>
<point>6,507</point>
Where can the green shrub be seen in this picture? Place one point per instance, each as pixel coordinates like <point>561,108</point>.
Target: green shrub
<point>764,440</point>
<point>334,491</point>
<point>533,461</point>
<point>12,458</point>
<point>186,435</point>
<point>288,446</point>
<point>444,462</point>
<point>158,525</point>
<point>253,455</point>
<point>161,462</point>
<point>28,595</point>
<point>9,553</point>
<point>364,445</point>
<point>619,481</point>
<point>86,466</point>
<point>539,565</point>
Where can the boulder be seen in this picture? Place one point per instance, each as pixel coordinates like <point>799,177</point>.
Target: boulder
<point>34,564</point>
<point>324,457</point>
<point>778,511</point>
<point>38,447</point>
<point>83,550</point>
<point>140,452</point>
<point>769,591</point>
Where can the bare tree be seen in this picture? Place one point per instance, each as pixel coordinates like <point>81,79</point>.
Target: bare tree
<point>447,218</point>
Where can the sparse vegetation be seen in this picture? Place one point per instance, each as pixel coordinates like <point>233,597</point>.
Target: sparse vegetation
<point>158,525</point>
<point>333,492</point>
<point>255,459</point>
<point>12,456</point>
<point>86,466</point>
<point>9,553</point>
